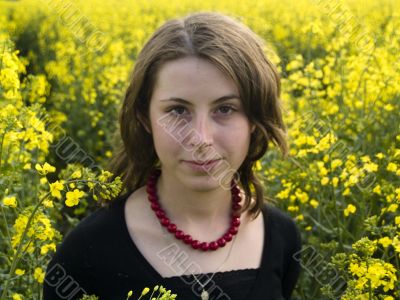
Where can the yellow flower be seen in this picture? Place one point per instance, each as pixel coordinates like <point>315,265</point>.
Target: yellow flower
<point>76,174</point>
<point>45,248</point>
<point>293,208</point>
<point>73,197</point>
<point>392,167</point>
<point>55,189</point>
<point>300,217</point>
<point>346,192</point>
<point>336,163</point>
<point>39,274</point>
<point>104,176</point>
<point>45,169</point>
<point>16,296</point>
<point>350,209</point>
<point>48,203</point>
<point>322,170</point>
<point>19,272</point>
<point>396,244</point>
<point>385,241</point>
<point>392,207</point>
<point>130,293</point>
<point>302,196</point>
<point>379,155</point>
<point>314,203</point>
<point>258,166</point>
<point>145,291</point>
<point>371,167</point>
<point>377,189</point>
<point>10,201</point>
<point>325,180</point>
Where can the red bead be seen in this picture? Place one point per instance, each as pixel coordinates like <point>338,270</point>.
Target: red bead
<point>171,227</point>
<point>153,198</point>
<point>204,246</point>
<point>155,206</point>
<point>233,230</point>
<point>213,246</point>
<point>235,214</point>
<point>221,242</point>
<point>237,199</point>
<point>164,221</point>
<point>187,239</point>
<point>195,244</point>
<point>235,191</point>
<point>160,214</point>
<point>179,234</point>
<point>228,237</point>
<point>236,221</point>
<point>236,206</point>
<point>151,189</point>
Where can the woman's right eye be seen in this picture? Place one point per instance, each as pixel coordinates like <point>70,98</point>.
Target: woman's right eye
<point>176,110</point>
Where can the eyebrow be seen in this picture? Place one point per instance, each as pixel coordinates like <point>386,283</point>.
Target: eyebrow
<point>220,99</point>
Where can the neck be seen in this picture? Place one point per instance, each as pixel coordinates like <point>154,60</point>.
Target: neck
<point>189,207</point>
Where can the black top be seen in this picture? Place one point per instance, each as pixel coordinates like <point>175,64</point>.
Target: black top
<point>99,257</point>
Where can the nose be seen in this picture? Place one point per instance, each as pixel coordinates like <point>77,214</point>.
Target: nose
<point>201,131</point>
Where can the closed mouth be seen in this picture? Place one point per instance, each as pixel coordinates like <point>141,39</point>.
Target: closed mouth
<point>203,162</point>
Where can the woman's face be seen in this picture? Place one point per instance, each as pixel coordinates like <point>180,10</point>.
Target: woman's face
<point>196,116</point>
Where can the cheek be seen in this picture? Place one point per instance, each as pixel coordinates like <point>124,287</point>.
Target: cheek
<point>238,135</point>
<point>164,142</point>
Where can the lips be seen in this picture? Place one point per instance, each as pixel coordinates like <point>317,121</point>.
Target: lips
<point>202,163</point>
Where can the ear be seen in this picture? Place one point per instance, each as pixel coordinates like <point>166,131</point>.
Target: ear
<point>144,123</point>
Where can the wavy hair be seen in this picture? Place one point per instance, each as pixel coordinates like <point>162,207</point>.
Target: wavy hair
<point>235,50</point>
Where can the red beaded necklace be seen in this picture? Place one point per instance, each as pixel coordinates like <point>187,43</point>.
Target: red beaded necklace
<point>187,238</point>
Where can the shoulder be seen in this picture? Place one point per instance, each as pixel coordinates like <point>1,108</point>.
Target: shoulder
<point>83,248</point>
<point>102,221</point>
<point>282,228</point>
<point>94,230</point>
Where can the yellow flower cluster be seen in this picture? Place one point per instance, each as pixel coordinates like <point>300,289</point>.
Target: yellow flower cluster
<point>40,234</point>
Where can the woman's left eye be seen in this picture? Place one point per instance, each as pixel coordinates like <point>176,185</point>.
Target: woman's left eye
<point>226,109</point>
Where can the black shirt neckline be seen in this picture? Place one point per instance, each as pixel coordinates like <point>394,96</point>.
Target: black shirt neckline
<point>157,277</point>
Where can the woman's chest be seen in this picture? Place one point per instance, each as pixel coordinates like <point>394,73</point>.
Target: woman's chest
<point>171,257</point>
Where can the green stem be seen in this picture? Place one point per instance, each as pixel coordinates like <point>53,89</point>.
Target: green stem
<point>16,257</point>
<point>1,147</point>
<point>369,283</point>
<point>5,223</point>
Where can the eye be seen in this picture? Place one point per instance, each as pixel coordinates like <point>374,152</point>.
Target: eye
<point>180,110</point>
<point>226,109</point>
<point>176,110</point>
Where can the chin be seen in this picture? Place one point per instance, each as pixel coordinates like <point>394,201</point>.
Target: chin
<point>201,183</point>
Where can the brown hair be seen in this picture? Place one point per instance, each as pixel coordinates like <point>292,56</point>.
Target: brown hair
<point>237,52</point>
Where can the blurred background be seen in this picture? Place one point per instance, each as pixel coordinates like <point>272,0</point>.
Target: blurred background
<point>64,69</point>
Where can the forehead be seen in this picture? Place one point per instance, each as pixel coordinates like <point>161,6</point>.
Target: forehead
<point>192,78</point>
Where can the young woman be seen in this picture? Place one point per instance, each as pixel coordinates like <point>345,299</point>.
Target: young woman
<point>201,108</point>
